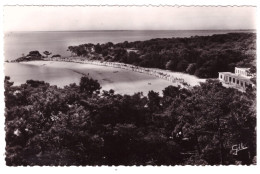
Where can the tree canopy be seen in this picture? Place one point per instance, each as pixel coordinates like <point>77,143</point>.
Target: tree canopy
<point>78,125</point>
<point>202,56</point>
<point>47,53</point>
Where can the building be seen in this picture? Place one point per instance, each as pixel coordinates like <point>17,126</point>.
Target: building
<point>239,80</point>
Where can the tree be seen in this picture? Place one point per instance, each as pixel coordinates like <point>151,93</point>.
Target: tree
<point>47,53</point>
<point>9,92</point>
<point>191,68</point>
<point>46,125</point>
<point>55,55</point>
<point>154,101</point>
<point>35,54</point>
<point>120,54</point>
<point>252,72</point>
<point>72,49</point>
<point>132,57</point>
<point>104,52</point>
<point>182,66</point>
<point>171,64</point>
<point>98,48</point>
<point>89,85</point>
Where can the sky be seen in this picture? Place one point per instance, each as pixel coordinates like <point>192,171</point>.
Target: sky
<point>61,18</point>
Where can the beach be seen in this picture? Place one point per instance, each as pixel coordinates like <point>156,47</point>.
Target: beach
<point>121,80</point>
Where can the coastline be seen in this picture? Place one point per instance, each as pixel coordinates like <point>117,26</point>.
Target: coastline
<point>121,80</point>
<point>176,77</point>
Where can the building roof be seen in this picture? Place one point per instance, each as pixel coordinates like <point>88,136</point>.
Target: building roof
<point>243,68</point>
<point>236,76</point>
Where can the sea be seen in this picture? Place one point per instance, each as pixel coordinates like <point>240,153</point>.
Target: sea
<point>17,44</point>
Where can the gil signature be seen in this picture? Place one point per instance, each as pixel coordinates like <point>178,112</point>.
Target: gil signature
<point>238,147</point>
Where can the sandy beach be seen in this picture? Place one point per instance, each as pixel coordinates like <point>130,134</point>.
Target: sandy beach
<point>121,80</point>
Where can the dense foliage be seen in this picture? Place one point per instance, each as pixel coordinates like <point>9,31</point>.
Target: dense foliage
<point>47,53</point>
<point>203,56</point>
<point>35,55</point>
<point>32,55</point>
<point>81,125</point>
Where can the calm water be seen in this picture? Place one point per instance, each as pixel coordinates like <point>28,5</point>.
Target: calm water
<point>65,73</point>
<point>20,73</point>
<point>18,43</point>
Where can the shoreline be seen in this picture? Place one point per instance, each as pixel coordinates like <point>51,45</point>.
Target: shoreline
<point>120,80</point>
<point>182,79</point>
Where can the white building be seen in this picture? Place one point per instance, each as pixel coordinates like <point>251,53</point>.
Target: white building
<point>239,80</point>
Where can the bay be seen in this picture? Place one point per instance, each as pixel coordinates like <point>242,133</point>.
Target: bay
<point>65,73</point>
<point>57,42</point>
<point>20,73</point>
<point>18,43</point>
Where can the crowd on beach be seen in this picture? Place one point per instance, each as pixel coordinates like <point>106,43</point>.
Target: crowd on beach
<point>163,74</point>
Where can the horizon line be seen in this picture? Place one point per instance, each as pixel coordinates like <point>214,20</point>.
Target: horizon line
<point>128,30</point>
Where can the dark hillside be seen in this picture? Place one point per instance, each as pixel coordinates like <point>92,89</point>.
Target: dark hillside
<point>203,56</point>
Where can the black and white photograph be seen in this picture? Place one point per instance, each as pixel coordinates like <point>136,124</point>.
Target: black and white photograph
<point>130,85</point>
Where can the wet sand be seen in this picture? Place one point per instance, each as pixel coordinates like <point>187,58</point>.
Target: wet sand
<point>121,80</point>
